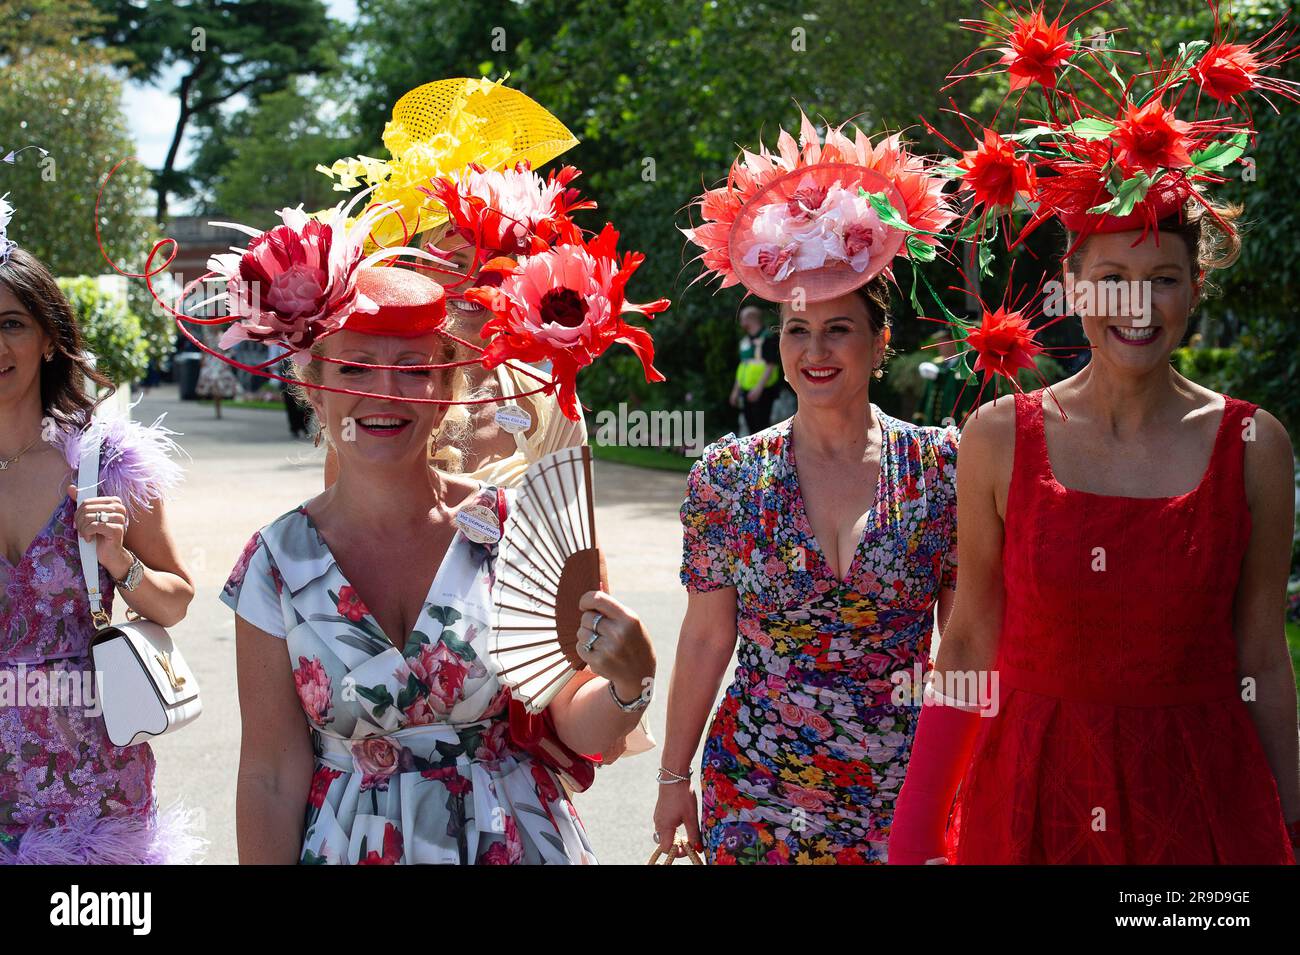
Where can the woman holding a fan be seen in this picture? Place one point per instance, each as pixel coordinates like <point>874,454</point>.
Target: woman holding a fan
<point>492,441</point>
<point>823,572</point>
<point>369,686</point>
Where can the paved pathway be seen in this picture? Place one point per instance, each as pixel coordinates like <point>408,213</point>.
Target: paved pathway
<point>245,471</point>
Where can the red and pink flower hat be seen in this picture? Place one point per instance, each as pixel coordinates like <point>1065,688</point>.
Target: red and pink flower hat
<point>813,220</point>
<point>556,292</point>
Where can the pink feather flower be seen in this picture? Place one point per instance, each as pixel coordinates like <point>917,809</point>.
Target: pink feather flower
<point>297,282</point>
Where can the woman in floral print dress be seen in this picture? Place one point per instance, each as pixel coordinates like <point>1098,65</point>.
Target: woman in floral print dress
<point>368,692</point>
<point>818,550</point>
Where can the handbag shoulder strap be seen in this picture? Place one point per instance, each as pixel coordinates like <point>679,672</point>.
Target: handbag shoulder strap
<point>88,486</point>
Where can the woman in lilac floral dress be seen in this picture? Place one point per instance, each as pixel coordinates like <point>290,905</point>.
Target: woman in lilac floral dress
<point>67,794</point>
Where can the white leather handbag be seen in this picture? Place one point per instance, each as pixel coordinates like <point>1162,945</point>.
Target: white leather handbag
<point>145,686</point>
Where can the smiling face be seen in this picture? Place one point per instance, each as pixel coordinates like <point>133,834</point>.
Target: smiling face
<point>376,431</point>
<point>23,343</point>
<point>1134,300</point>
<point>829,350</point>
<point>469,316</point>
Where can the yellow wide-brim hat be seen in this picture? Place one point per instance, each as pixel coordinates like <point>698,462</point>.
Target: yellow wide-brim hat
<point>440,128</point>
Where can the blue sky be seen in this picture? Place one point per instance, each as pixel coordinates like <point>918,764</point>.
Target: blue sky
<point>151,109</point>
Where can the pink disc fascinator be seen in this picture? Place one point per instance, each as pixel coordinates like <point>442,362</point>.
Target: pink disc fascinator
<point>813,221</point>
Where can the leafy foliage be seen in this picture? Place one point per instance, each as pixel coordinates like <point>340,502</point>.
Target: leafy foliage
<point>259,160</point>
<point>225,50</point>
<point>661,94</point>
<point>70,107</point>
<point>112,332</point>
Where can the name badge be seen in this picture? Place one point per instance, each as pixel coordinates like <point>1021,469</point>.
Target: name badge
<point>513,418</point>
<point>479,524</point>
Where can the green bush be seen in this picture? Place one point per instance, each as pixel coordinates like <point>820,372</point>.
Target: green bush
<point>1210,367</point>
<point>112,332</point>
<point>1266,367</point>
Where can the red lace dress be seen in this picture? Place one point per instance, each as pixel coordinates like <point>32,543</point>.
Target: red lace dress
<point>1121,737</point>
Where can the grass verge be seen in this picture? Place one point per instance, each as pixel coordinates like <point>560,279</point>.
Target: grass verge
<point>655,458</point>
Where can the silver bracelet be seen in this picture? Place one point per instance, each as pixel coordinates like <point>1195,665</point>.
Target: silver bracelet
<point>666,777</point>
<point>636,706</point>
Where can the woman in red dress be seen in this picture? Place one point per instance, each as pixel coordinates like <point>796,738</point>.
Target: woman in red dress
<point>1124,564</point>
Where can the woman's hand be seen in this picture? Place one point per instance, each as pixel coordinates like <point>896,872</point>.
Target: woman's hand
<point>622,652</point>
<point>677,806</point>
<point>104,520</point>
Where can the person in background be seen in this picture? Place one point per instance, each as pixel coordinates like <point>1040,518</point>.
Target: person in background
<point>757,375</point>
<point>944,398</point>
<point>294,409</point>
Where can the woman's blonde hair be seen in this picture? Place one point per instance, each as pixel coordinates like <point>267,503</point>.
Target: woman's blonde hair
<point>448,442</point>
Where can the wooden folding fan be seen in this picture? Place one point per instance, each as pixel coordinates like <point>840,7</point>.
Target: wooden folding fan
<point>547,560</point>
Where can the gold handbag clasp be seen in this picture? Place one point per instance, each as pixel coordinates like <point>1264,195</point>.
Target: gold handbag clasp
<point>165,662</point>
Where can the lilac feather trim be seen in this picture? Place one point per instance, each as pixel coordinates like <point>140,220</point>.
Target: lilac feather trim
<point>113,840</point>
<point>136,460</point>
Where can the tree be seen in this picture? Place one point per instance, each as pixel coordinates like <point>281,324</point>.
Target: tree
<point>67,25</point>
<point>226,49</point>
<point>71,108</point>
<point>264,158</point>
<point>661,92</point>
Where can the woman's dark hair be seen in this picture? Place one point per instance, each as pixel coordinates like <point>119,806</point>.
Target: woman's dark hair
<point>1209,245</point>
<point>63,392</point>
<point>875,295</point>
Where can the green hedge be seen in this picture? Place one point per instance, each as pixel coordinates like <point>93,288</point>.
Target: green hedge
<point>113,333</point>
<point>1211,367</point>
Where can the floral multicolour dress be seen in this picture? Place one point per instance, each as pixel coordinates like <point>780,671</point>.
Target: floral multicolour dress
<point>414,760</point>
<point>806,754</point>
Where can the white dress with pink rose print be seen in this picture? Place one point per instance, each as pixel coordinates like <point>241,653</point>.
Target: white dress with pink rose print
<point>414,761</point>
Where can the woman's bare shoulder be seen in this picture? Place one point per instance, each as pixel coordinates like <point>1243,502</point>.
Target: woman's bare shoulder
<point>990,426</point>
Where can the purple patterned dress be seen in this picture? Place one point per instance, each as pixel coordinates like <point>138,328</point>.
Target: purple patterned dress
<point>67,794</point>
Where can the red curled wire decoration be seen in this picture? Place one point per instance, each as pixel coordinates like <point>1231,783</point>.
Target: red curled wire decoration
<point>263,369</point>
